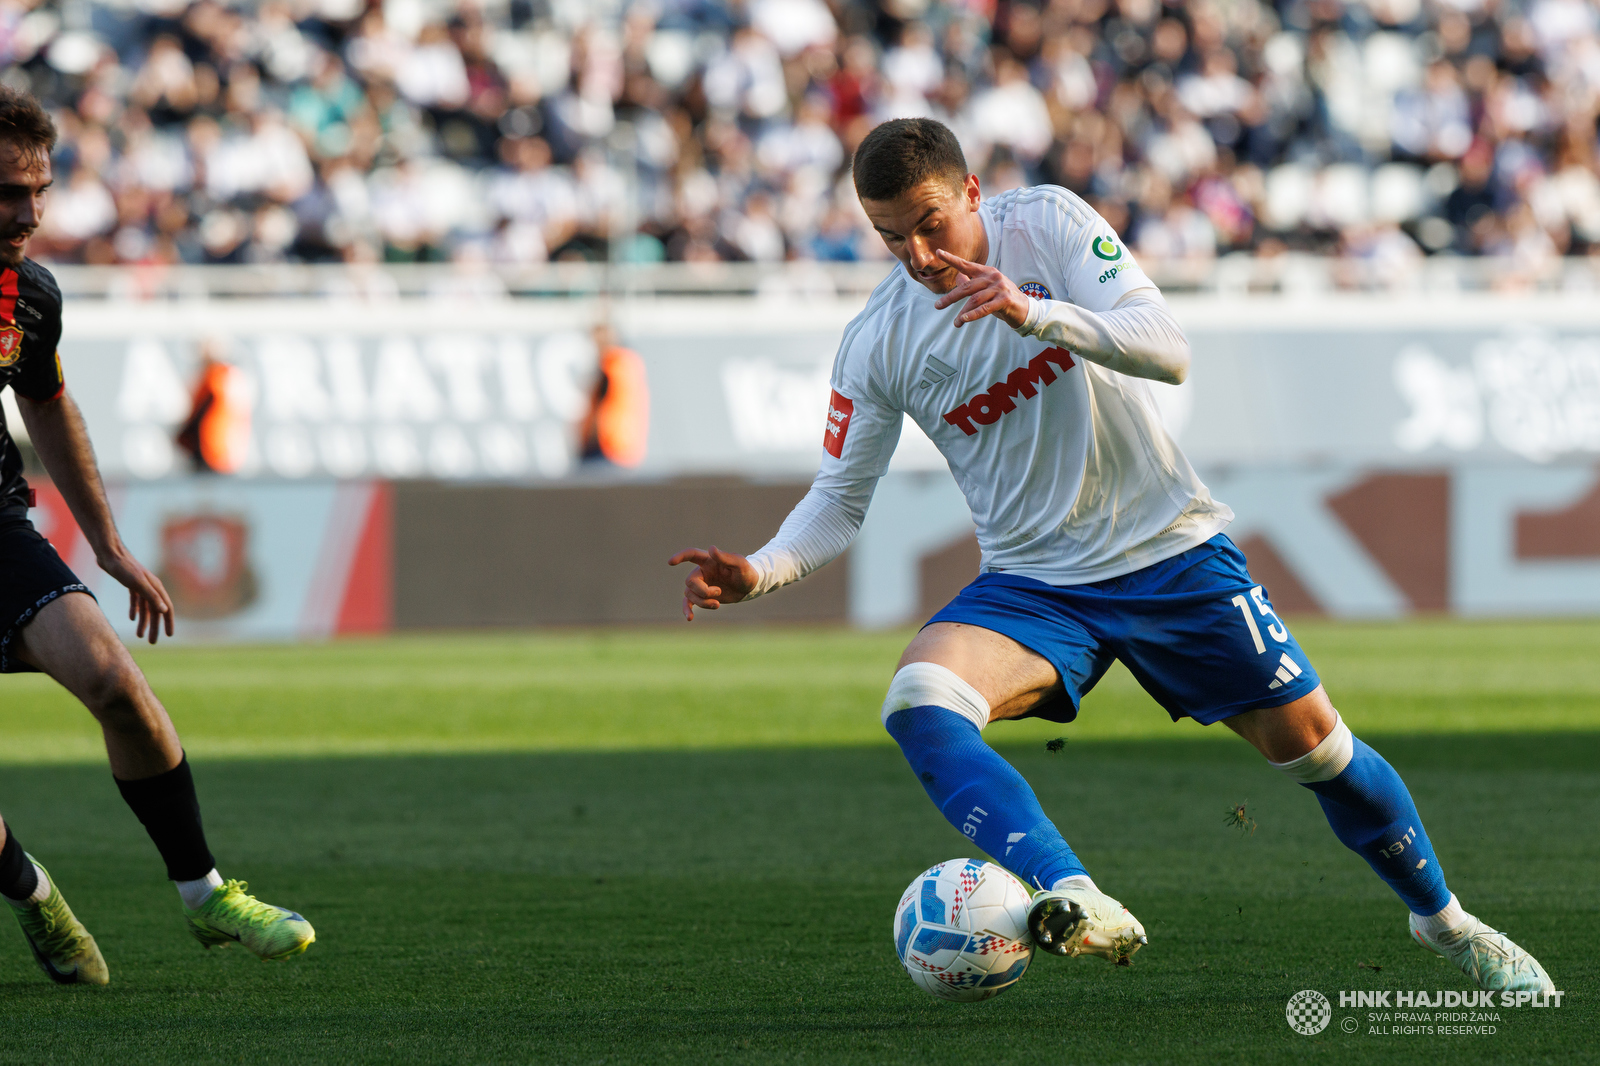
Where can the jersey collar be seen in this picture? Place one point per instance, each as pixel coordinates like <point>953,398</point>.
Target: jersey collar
<point>991,231</point>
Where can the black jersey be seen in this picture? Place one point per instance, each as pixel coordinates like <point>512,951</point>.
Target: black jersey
<point>30,329</point>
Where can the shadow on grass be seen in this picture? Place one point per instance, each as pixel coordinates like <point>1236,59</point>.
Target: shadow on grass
<point>685,906</point>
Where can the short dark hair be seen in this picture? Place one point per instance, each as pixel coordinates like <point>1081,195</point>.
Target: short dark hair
<point>24,122</point>
<point>903,153</point>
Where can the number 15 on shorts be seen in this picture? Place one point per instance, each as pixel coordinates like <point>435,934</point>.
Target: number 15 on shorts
<point>1275,627</point>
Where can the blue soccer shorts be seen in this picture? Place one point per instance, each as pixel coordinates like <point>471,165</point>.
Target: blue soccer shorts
<point>1195,630</point>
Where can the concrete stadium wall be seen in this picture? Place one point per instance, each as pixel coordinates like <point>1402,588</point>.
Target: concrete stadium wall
<point>256,560</point>
<point>477,555</point>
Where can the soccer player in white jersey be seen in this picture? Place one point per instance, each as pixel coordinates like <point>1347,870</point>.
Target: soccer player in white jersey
<point>1019,335</point>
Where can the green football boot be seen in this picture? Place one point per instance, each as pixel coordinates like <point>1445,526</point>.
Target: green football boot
<point>61,945</point>
<point>231,916</point>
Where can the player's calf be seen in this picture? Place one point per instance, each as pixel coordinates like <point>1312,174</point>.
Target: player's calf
<point>167,806</point>
<point>140,739</point>
<point>1372,813</point>
<point>935,717</point>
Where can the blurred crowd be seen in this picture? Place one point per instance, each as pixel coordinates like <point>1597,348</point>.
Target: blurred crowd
<point>520,131</point>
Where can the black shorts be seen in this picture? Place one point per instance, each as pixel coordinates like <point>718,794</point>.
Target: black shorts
<point>31,575</point>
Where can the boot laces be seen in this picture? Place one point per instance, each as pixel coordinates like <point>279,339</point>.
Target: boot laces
<point>245,908</point>
<point>54,931</point>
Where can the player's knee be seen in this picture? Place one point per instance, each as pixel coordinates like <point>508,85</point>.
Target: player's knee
<point>1327,760</point>
<point>932,685</point>
<point>113,695</point>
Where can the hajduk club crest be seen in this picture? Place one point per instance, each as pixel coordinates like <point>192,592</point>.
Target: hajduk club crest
<point>10,343</point>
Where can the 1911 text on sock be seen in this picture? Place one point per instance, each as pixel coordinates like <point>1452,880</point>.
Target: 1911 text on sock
<point>1399,845</point>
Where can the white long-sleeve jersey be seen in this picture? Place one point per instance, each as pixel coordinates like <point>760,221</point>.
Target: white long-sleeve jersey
<point>1050,430</point>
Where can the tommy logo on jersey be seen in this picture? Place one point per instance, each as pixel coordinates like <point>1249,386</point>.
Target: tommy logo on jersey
<point>840,408</point>
<point>986,408</point>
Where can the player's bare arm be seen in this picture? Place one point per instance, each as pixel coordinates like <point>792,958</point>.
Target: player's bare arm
<point>62,441</point>
<point>718,577</point>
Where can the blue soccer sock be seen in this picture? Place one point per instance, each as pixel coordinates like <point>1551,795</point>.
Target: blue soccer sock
<point>1372,814</point>
<point>982,795</point>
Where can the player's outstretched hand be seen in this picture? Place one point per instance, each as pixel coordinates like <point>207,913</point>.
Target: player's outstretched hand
<point>718,577</point>
<point>987,292</point>
<point>148,602</point>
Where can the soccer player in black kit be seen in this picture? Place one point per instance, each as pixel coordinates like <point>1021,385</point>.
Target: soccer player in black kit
<point>50,622</point>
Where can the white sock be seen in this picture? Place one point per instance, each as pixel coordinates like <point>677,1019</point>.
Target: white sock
<point>196,892</point>
<point>1075,881</point>
<point>40,893</point>
<point>1436,925</point>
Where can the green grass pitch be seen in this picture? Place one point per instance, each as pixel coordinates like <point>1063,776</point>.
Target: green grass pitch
<point>684,845</point>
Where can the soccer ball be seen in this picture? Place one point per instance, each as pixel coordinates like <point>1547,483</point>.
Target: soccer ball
<point>961,930</point>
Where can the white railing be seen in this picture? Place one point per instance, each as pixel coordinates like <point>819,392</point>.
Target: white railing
<point>1289,275</point>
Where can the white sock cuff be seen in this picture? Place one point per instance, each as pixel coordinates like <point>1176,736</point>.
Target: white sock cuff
<point>929,684</point>
<point>1081,881</point>
<point>41,890</point>
<point>1327,760</point>
<point>199,890</point>
<point>1437,924</point>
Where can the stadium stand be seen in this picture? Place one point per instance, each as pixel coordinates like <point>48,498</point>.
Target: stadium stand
<point>511,132</point>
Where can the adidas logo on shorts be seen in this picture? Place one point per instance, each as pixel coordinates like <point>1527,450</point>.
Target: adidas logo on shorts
<point>1287,672</point>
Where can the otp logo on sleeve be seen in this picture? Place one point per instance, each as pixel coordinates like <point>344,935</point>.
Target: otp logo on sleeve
<point>839,410</point>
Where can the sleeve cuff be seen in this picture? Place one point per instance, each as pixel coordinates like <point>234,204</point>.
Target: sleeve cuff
<point>54,396</point>
<point>764,570</point>
<point>1035,316</point>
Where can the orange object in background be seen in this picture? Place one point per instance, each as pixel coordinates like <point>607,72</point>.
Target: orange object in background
<point>217,431</point>
<point>617,426</point>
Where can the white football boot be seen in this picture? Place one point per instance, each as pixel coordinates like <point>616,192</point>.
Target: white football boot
<point>1084,921</point>
<point>1488,957</point>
